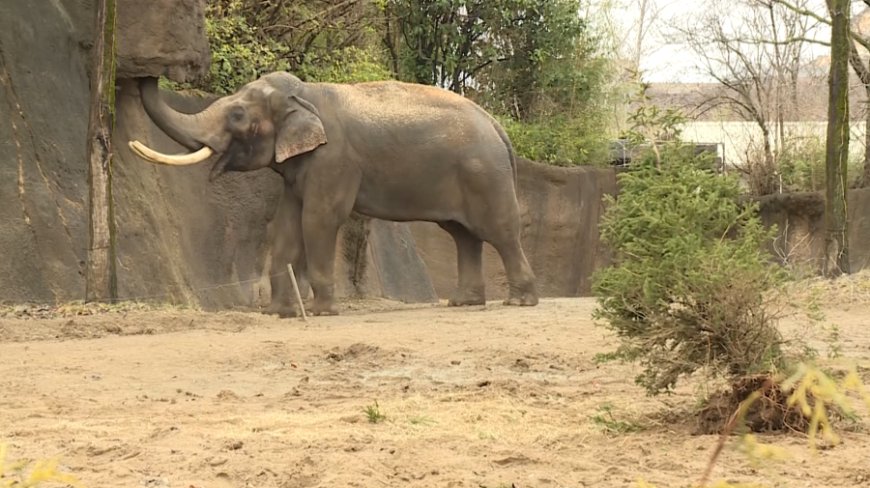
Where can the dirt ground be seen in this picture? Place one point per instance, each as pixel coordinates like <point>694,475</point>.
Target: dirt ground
<point>473,397</point>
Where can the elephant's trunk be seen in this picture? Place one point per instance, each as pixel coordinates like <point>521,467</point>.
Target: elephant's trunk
<point>186,129</point>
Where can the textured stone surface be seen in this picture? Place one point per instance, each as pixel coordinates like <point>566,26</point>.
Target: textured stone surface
<point>162,37</point>
<point>400,272</point>
<point>43,126</point>
<point>179,238</point>
<point>560,209</point>
<point>800,223</point>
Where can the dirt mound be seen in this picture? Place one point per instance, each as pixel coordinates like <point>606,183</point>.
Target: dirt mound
<point>768,411</point>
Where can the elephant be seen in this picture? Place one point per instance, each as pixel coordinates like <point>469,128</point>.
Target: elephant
<point>389,150</point>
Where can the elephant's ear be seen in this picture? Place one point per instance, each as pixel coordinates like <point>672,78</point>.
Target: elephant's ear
<point>300,131</point>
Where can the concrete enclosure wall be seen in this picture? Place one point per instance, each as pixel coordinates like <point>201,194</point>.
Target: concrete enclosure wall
<point>560,209</point>
<point>180,238</point>
<point>800,222</point>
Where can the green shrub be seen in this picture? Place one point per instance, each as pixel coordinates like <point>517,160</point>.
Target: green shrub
<point>802,165</point>
<point>687,289</point>
<point>242,51</point>
<point>238,53</point>
<point>558,141</point>
<point>348,65</point>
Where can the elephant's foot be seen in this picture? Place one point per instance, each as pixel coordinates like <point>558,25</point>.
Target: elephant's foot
<point>281,310</point>
<point>323,308</point>
<point>466,299</point>
<point>522,298</point>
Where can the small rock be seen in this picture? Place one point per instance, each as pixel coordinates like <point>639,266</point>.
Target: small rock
<point>218,461</point>
<point>227,395</point>
<point>522,364</point>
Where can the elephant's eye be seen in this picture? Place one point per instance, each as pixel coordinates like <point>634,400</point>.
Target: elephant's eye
<point>237,115</point>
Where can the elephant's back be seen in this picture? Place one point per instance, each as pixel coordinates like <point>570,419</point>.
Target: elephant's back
<point>394,101</point>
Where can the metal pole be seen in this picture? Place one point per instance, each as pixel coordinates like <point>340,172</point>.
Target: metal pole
<point>296,291</point>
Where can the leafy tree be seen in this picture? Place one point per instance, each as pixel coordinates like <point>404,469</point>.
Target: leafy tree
<point>521,57</point>
<point>439,42</point>
<point>859,46</point>
<point>755,51</point>
<point>326,40</point>
<point>688,287</point>
<point>535,63</point>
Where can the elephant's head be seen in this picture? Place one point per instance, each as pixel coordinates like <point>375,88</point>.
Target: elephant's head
<point>266,121</point>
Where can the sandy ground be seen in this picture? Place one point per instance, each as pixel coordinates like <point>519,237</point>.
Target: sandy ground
<point>474,397</point>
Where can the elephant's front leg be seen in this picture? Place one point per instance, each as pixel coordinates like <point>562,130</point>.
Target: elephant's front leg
<point>330,191</point>
<point>320,231</point>
<point>287,247</point>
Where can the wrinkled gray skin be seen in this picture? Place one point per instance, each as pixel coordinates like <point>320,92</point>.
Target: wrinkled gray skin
<point>388,150</point>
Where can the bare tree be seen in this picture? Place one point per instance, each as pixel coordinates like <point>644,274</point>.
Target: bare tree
<point>101,282</point>
<point>753,50</point>
<point>633,36</point>
<point>837,154</point>
<point>858,59</point>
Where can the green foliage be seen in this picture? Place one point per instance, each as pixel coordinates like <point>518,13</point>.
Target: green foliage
<point>536,63</point>
<point>649,122</point>
<point>351,65</point>
<point>801,164</point>
<point>239,53</point>
<point>249,38</point>
<point>607,422</point>
<point>374,414</point>
<point>560,141</point>
<point>687,290</point>
<point>549,60</point>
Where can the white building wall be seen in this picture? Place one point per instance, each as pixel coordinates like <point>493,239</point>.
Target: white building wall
<point>736,137</point>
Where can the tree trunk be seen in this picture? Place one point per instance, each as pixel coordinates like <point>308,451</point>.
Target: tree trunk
<point>101,280</point>
<point>837,148</point>
<point>865,174</point>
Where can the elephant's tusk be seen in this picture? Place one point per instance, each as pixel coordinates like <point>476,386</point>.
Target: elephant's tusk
<point>149,154</point>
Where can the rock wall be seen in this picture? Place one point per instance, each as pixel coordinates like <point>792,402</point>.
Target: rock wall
<point>560,210</point>
<point>162,37</point>
<point>43,126</point>
<point>179,238</point>
<point>800,222</point>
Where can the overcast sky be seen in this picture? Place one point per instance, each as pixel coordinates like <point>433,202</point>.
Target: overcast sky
<point>666,60</point>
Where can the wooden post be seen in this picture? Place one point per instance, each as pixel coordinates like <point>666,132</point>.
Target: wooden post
<point>101,281</point>
<point>296,291</point>
<point>837,147</point>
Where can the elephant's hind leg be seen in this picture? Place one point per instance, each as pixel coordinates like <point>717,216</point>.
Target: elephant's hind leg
<point>503,233</point>
<point>521,279</point>
<point>469,254</point>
